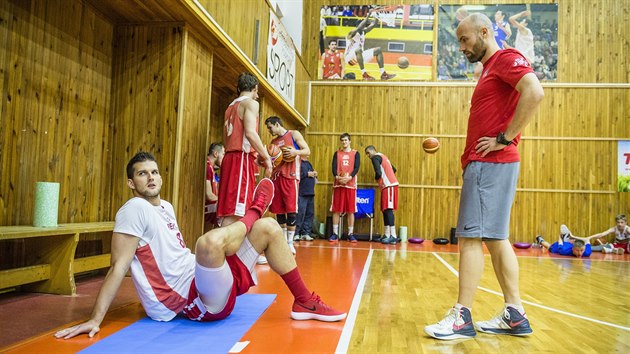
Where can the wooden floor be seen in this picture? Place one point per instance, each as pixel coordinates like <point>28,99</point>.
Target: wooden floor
<point>574,305</point>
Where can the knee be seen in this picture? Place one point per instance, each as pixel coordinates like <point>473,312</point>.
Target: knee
<point>266,227</point>
<point>291,219</point>
<point>210,244</point>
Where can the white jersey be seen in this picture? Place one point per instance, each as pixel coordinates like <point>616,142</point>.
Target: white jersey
<point>525,44</point>
<point>162,268</point>
<point>356,42</point>
<point>620,236</point>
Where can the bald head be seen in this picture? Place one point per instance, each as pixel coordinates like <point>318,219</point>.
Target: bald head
<point>478,21</point>
<point>476,38</point>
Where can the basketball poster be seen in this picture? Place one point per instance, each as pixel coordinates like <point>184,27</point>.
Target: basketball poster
<point>623,162</point>
<point>376,42</point>
<point>531,29</point>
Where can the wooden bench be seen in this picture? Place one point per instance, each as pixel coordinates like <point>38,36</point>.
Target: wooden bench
<point>54,255</point>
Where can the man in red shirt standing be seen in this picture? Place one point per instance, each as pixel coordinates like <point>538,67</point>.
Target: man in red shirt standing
<point>332,62</point>
<point>385,174</point>
<point>286,176</point>
<point>345,167</point>
<point>504,101</point>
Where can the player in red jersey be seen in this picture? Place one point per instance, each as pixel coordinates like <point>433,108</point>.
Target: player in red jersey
<point>333,63</point>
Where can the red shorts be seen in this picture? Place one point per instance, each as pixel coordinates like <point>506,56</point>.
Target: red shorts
<point>623,245</point>
<point>344,200</point>
<point>242,282</point>
<point>389,198</point>
<point>285,195</point>
<point>237,183</point>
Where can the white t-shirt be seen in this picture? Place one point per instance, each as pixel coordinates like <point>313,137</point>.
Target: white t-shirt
<point>162,268</point>
<point>525,44</point>
<point>620,236</point>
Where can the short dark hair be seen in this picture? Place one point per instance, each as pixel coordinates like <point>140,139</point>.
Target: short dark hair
<point>579,244</point>
<point>214,147</point>
<point>344,135</point>
<point>332,40</point>
<point>139,157</point>
<point>246,82</point>
<point>274,120</point>
<point>621,217</point>
<point>370,147</point>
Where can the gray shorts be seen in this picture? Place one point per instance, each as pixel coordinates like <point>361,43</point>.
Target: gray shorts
<point>486,201</point>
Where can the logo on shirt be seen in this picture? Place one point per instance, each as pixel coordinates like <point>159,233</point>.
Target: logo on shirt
<point>171,226</point>
<point>521,62</point>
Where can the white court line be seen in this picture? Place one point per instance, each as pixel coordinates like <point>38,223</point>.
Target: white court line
<point>533,303</point>
<point>346,333</point>
<point>238,347</point>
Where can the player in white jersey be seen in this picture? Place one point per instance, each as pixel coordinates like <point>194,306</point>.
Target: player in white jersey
<point>356,53</point>
<point>203,286</point>
<point>524,42</point>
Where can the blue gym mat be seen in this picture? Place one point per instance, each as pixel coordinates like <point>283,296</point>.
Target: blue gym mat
<point>182,335</point>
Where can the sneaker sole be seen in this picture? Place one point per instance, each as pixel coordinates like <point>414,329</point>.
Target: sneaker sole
<point>504,332</point>
<point>449,337</point>
<point>303,316</point>
<point>273,191</point>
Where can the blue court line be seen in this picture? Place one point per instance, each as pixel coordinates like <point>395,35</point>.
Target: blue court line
<point>182,335</point>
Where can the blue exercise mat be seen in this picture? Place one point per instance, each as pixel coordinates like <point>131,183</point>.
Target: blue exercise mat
<point>182,335</point>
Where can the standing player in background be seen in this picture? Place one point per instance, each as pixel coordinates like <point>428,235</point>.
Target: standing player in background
<point>385,174</point>
<point>345,167</point>
<point>286,176</point>
<point>355,52</point>
<point>504,101</point>
<point>214,160</point>
<point>524,41</point>
<point>332,62</point>
<point>501,28</point>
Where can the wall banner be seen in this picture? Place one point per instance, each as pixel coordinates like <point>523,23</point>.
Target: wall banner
<point>281,59</point>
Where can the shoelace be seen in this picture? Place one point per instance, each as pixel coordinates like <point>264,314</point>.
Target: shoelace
<point>451,316</point>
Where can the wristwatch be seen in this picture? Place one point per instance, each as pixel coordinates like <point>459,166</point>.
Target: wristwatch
<point>502,140</point>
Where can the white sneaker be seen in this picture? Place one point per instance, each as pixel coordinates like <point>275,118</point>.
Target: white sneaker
<point>296,237</point>
<point>508,321</point>
<point>306,238</point>
<point>292,248</point>
<point>262,260</point>
<point>456,325</point>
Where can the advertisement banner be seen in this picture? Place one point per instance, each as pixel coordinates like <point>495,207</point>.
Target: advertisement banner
<point>623,162</point>
<point>281,59</point>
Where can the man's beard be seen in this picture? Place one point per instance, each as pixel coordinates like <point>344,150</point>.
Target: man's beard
<point>478,51</point>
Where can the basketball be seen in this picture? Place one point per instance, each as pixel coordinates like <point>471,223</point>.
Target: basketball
<point>274,152</point>
<point>403,62</point>
<point>430,145</point>
<point>287,158</point>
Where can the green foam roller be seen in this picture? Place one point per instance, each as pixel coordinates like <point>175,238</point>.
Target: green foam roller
<point>46,204</point>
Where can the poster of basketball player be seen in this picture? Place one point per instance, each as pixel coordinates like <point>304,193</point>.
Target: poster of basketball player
<point>531,29</point>
<point>376,42</point>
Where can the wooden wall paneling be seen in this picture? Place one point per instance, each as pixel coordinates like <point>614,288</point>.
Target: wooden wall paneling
<point>55,108</point>
<point>192,138</point>
<point>145,93</point>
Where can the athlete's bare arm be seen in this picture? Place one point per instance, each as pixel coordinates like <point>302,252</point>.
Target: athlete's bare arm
<point>123,249</point>
<point>250,111</point>
<point>299,140</point>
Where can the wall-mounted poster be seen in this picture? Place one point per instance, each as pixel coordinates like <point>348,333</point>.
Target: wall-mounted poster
<point>374,42</point>
<point>623,162</point>
<point>280,59</point>
<point>530,28</point>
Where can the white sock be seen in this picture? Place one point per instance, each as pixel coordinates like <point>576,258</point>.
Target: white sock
<point>387,234</point>
<point>290,234</point>
<point>382,70</point>
<point>363,71</point>
<point>284,233</point>
<point>393,230</point>
<point>459,306</point>
<point>350,230</point>
<point>336,229</point>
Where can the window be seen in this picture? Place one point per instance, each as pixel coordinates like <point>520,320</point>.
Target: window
<point>395,47</point>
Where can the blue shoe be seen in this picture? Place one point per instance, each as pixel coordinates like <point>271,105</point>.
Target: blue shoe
<point>456,325</point>
<point>391,240</point>
<point>333,238</point>
<point>352,239</point>
<point>509,321</point>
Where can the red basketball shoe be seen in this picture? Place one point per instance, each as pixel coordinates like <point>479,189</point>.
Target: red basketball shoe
<point>263,195</point>
<point>367,77</point>
<point>315,309</point>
